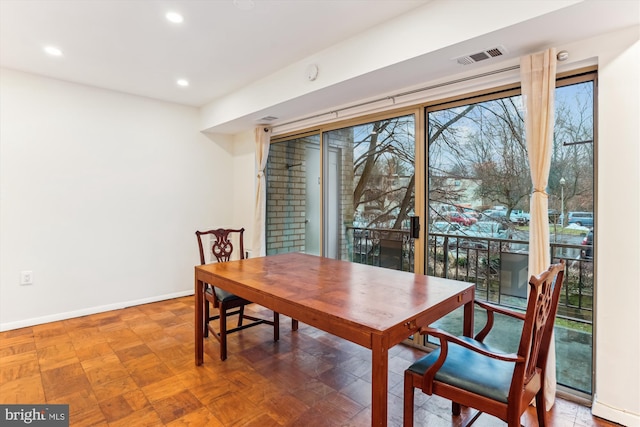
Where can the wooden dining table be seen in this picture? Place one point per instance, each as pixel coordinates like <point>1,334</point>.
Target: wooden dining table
<point>374,307</point>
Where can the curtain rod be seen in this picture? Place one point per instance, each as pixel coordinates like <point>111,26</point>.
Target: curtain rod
<point>409,92</point>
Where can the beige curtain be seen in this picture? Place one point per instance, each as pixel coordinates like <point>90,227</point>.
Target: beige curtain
<point>262,140</point>
<point>538,74</point>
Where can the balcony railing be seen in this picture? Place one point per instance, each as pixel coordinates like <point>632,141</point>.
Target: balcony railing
<point>383,247</point>
<point>499,268</point>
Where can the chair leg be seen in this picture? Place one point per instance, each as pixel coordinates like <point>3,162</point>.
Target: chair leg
<point>206,318</point>
<point>541,408</point>
<point>294,325</point>
<point>240,315</point>
<point>514,423</point>
<point>276,326</point>
<point>223,331</point>
<point>455,408</point>
<point>407,416</point>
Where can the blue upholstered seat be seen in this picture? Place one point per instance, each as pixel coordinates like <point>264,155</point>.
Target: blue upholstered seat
<point>471,371</point>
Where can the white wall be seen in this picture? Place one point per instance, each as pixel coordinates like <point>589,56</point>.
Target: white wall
<point>101,194</point>
<point>617,367</point>
<point>617,318</point>
<point>244,179</point>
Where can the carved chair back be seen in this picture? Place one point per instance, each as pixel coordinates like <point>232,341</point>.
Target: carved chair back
<point>221,244</point>
<point>537,330</point>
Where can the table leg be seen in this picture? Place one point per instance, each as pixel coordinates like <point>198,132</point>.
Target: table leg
<point>379,380</point>
<point>199,321</point>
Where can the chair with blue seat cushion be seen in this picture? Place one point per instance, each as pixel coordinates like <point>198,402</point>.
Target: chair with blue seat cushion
<point>220,248</point>
<point>468,372</point>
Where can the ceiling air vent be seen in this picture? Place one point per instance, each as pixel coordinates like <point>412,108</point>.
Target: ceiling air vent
<point>268,119</point>
<point>481,56</point>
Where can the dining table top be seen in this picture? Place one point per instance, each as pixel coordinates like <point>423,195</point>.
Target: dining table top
<point>367,298</point>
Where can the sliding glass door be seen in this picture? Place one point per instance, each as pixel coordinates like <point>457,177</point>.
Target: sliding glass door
<point>479,188</point>
<point>371,166</point>
<point>350,197</point>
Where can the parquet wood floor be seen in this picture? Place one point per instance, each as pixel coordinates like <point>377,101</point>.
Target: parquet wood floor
<point>135,367</point>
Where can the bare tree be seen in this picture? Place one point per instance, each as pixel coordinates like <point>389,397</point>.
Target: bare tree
<point>572,156</point>
<point>444,151</point>
<point>485,143</point>
<point>496,153</point>
<point>383,166</point>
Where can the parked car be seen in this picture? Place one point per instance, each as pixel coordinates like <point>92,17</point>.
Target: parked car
<point>486,215</point>
<point>477,235</point>
<point>443,227</point>
<point>488,229</point>
<point>519,217</point>
<point>587,253</point>
<point>554,216</point>
<point>471,213</point>
<point>461,218</point>
<point>584,219</point>
<point>498,214</point>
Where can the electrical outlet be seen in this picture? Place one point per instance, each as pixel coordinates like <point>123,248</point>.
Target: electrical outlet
<point>26,277</point>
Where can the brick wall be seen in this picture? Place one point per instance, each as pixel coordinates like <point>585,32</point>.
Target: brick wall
<point>286,203</point>
<point>286,192</point>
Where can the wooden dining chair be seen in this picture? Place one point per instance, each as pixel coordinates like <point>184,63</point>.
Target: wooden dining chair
<point>471,373</point>
<point>221,248</point>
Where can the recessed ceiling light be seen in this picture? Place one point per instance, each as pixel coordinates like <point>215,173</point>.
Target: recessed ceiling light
<point>174,17</point>
<point>53,51</point>
<point>183,82</point>
<point>244,4</point>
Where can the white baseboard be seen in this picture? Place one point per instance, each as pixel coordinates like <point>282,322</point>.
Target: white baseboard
<point>7,326</point>
<point>616,415</point>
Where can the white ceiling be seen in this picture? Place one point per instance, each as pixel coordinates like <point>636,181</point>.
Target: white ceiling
<point>129,46</point>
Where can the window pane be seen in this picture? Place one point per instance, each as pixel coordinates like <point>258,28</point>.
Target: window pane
<point>478,202</point>
<point>358,208</point>
<point>370,181</point>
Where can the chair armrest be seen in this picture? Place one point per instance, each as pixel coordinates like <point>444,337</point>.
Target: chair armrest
<point>491,309</point>
<point>445,338</point>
